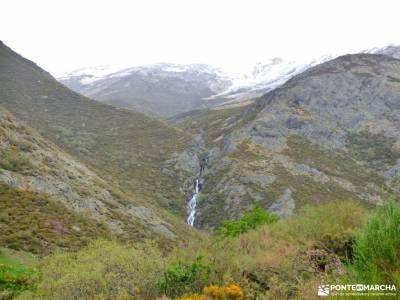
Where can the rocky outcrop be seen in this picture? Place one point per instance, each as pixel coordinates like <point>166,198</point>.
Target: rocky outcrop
<point>284,205</point>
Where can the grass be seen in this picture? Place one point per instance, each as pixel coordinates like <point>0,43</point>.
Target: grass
<point>16,272</point>
<point>13,160</point>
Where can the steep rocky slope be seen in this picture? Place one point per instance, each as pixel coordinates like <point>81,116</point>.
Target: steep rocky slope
<point>48,199</point>
<point>124,147</point>
<point>329,133</point>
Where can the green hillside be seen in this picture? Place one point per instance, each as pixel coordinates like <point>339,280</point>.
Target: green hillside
<point>125,147</point>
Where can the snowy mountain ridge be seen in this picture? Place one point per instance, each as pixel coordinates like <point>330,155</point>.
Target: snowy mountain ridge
<point>166,89</point>
<point>263,75</point>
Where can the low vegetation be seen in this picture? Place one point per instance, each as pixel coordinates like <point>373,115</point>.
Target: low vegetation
<point>105,269</point>
<point>32,222</point>
<point>15,276</point>
<point>376,251</point>
<point>13,160</point>
<point>215,292</point>
<point>183,277</point>
<point>333,163</point>
<point>277,259</point>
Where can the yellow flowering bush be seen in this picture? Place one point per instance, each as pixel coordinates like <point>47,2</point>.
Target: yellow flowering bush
<point>215,292</point>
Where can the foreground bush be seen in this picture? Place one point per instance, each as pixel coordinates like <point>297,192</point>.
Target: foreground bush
<point>329,226</point>
<point>377,247</point>
<point>103,270</point>
<point>180,278</point>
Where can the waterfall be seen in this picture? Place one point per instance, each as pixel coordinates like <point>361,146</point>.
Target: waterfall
<point>193,203</point>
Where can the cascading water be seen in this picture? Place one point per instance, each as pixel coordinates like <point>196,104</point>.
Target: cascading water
<point>193,203</point>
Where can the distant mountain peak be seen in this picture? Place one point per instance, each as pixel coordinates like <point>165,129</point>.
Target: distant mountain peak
<point>165,89</point>
<point>390,50</point>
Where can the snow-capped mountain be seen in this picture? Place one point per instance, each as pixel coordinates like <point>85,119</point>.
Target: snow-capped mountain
<point>166,89</point>
<point>390,50</point>
<point>161,89</point>
<point>266,76</point>
<point>85,76</point>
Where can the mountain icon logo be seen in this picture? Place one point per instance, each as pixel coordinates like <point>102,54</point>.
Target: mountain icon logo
<point>323,290</point>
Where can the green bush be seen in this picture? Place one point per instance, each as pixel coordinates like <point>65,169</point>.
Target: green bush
<point>377,247</point>
<point>13,160</point>
<point>250,220</point>
<point>103,269</point>
<point>180,278</point>
<point>14,277</point>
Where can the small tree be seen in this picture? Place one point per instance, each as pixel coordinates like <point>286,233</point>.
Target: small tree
<point>250,220</point>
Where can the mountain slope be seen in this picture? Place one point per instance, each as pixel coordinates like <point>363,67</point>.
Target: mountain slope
<point>48,199</point>
<point>329,133</point>
<point>124,147</point>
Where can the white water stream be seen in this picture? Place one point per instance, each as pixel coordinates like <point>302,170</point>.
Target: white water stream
<point>193,203</point>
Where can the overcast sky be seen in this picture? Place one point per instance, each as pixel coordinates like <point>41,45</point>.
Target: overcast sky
<point>62,35</point>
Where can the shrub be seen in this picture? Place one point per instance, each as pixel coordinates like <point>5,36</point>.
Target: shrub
<point>377,247</point>
<point>215,292</point>
<point>180,278</point>
<point>103,269</point>
<point>250,220</point>
<point>12,160</point>
<point>329,226</point>
<point>14,277</point>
